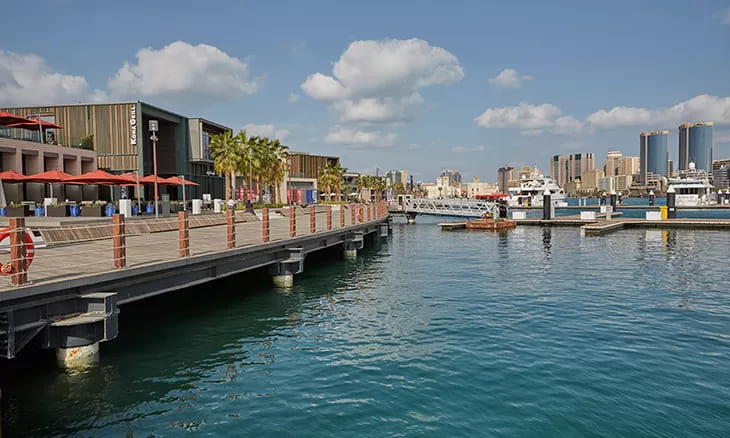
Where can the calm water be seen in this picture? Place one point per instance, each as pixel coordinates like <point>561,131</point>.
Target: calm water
<point>536,332</point>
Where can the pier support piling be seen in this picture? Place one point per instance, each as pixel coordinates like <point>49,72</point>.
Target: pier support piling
<point>352,243</point>
<point>77,357</point>
<point>411,218</point>
<point>547,205</point>
<point>282,273</point>
<point>651,197</point>
<point>613,200</point>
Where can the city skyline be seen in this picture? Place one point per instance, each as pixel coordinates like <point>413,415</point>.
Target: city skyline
<point>393,93</point>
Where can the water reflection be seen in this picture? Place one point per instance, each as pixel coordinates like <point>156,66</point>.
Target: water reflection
<point>546,241</point>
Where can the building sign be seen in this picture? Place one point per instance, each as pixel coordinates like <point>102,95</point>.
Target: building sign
<point>133,123</point>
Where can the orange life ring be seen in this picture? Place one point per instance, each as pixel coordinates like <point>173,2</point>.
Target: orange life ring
<point>7,268</point>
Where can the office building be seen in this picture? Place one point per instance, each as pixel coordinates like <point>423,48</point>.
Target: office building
<point>397,176</point>
<point>453,175</point>
<point>612,163</point>
<point>476,187</point>
<point>589,181</point>
<point>695,145</point>
<point>653,155</point>
<point>119,135</point>
<point>504,176</point>
<point>565,168</point>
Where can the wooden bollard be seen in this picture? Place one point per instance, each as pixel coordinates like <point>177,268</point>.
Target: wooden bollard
<point>329,217</point>
<point>353,211</point>
<point>183,233</point>
<point>17,251</point>
<point>265,225</point>
<point>120,246</point>
<point>292,221</point>
<point>342,215</point>
<point>312,220</point>
<point>231,221</point>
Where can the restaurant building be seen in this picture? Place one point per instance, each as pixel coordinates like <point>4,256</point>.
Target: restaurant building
<point>118,133</point>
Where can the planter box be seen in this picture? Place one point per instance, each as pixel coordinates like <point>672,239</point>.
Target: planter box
<point>87,211</point>
<point>174,208</point>
<point>22,211</point>
<point>58,211</point>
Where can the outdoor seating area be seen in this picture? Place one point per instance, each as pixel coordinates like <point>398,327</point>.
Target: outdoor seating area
<point>54,208</point>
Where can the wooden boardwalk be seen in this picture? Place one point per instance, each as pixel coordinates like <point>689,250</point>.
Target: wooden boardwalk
<point>95,256</point>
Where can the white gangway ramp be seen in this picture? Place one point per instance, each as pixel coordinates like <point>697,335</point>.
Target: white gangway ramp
<point>451,207</point>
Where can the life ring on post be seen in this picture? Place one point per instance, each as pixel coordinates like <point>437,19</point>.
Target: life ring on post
<point>7,268</point>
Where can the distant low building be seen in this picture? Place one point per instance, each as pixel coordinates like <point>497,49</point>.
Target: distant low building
<point>476,187</point>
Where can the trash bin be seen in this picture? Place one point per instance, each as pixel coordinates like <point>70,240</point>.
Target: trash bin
<point>38,211</point>
<point>135,210</point>
<point>665,211</point>
<point>74,210</point>
<point>109,210</point>
<point>149,208</point>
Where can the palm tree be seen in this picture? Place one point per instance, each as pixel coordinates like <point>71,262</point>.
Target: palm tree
<point>244,158</point>
<point>277,166</point>
<point>380,184</point>
<point>361,183</point>
<point>226,152</point>
<point>324,179</point>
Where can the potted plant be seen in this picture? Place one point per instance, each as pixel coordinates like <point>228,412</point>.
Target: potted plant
<point>95,209</point>
<point>15,209</point>
<point>58,210</point>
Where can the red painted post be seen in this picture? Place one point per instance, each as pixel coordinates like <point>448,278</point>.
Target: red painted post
<point>360,213</point>
<point>265,225</point>
<point>17,251</point>
<point>353,211</point>
<point>183,233</point>
<point>312,220</point>
<point>231,221</point>
<point>342,215</point>
<point>369,209</point>
<point>329,217</point>
<point>292,221</point>
<point>120,246</point>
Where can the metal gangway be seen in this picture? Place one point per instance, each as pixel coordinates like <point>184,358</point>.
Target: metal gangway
<point>450,207</point>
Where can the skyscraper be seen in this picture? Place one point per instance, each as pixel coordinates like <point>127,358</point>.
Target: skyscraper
<point>504,176</point>
<point>695,146</point>
<point>653,154</point>
<point>454,175</point>
<point>566,168</point>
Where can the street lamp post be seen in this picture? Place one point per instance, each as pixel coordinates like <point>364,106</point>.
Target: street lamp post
<point>289,193</point>
<point>182,178</point>
<point>154,127</point>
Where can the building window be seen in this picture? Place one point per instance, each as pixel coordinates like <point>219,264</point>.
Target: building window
<point>206,146</point>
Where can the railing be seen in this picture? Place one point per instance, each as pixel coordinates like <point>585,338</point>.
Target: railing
<point>451,207</point>
<point>99,248</point>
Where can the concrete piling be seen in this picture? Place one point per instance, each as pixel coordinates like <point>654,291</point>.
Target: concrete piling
<point>547,205</point>
<point>613,200</point>
<point>77,357</point>
<point>651,197</point>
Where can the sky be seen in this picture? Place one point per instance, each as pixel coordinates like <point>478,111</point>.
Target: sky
<point>421,86</point>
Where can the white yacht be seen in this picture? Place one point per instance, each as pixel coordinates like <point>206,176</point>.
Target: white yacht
<point>531,189</point>
<point>692,188</point>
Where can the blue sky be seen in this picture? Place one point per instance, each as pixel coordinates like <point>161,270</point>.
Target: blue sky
<point>471,85</point>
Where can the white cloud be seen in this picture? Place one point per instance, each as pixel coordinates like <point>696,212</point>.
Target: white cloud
<point>266,130</point>
<point>26,79</point>
<point>508,78</point>
<point>293,97</point>
<point>181,71</point>
<point>524,116</point>
<point>536,119</point>
<point>379,81</point>
<point>460,149</point>
<point>360,138</point>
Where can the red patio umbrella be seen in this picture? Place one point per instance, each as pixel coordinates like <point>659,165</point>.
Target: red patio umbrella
<point>34,125</point>
<point>96,177</point>
<point>7,118</point>
<point>49,177</point>
<point>150,179</point>
<point>11,176</point>
<point>176,180</point>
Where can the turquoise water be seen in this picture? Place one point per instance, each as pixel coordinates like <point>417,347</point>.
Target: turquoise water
<point>534,332</point>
